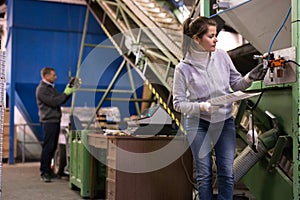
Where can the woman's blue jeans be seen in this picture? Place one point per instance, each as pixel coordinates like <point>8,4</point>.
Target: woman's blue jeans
<point>202,137</point>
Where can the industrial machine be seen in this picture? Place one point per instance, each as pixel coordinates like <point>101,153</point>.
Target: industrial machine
<point>269,170</point>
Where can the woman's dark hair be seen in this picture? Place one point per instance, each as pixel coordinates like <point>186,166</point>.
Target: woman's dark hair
<point>194,27</point>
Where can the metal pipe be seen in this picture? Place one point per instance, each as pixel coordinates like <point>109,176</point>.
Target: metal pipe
<point>103,90</point>
<point>80,54</point>
<point>246,160</point>
<point>133,87</point>
<point>130,100</point>
<point>23,144</point>
<point>118,72</point>
<point>243,163</point>
<point>79,2</point>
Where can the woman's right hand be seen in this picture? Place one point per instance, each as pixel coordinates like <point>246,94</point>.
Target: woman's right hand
<point>207,107</point>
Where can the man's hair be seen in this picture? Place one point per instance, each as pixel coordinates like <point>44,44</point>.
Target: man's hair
<point>46,70</point>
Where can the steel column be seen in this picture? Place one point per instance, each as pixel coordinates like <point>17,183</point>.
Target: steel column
<point>295,29</point>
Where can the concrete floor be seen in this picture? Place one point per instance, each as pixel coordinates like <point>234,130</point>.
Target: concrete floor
<point>22,182</point>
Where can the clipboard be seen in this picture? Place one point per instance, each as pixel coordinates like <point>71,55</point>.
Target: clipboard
<point>232,97</point>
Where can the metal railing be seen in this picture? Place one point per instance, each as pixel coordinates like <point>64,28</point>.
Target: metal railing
<point>25,129</point>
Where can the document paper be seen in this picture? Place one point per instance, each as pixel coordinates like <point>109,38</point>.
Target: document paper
<point>229,98</point>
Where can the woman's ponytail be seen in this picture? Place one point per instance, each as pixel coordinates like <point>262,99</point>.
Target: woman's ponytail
<point>186,40</point>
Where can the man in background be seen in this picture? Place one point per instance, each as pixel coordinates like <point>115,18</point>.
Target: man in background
<point>49,101</point>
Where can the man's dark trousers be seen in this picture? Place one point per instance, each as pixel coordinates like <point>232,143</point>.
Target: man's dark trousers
<point>51,133</point>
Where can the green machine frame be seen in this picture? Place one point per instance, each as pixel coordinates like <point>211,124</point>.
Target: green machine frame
<point>295,99</point>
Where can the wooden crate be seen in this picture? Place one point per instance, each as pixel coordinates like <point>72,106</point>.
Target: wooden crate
<point>169,182</point>
<point>5,147</point>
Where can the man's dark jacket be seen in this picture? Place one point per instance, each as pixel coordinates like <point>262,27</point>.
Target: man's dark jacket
<point>49,101</point>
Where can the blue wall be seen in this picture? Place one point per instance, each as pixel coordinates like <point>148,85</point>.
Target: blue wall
<point>44,33</point>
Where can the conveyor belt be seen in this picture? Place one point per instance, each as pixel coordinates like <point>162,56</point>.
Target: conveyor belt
<point>147,35</point>
<point>153,30</point>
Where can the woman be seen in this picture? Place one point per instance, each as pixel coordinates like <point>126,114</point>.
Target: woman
<point>204,73</point>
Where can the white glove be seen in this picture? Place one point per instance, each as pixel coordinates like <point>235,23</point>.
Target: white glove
<point>250,134</point>
<point>207,107</point>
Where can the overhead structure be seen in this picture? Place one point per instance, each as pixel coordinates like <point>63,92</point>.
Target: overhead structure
<point>148,37</point>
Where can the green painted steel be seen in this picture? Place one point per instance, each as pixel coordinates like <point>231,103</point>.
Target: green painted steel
<point>205,5</point>
<point>79,61</point>
<point>263,181</point>
<point>264,185</point>
<point>295,99</point>
<point>83,168</point>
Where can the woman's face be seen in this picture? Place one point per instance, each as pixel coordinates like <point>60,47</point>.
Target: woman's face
<point>209,40</point>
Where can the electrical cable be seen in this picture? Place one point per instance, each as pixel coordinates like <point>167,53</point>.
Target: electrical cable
<point>214,166</point>
<point>187,174</point>
<point>278,31</point>
<point>298,20</point>
<point>292,61</point>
